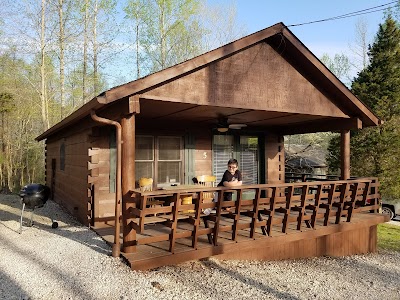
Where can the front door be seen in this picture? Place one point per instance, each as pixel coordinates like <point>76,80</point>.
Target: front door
<point>244,148</point>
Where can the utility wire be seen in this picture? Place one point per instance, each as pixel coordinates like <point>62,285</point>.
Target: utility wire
<point>352,14</point>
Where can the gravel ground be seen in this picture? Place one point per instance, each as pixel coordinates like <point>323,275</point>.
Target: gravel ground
<point>72,262</point>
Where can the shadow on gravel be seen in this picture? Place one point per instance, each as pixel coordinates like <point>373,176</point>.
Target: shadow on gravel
<point>249,281</point>
<point>10,213</point>
<point>68,281</point>
<point>8,285</point>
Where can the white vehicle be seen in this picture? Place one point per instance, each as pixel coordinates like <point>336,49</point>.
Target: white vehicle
<point>391,208</point>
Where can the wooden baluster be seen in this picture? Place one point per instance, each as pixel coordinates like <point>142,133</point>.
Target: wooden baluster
<point>342,198</point>
<point>272,207</point>
<point>315,207</point>
<point>218,217</point>
<point>255,213</point>
<point>286,211</point>
<point>236,214</point>
<point>174,224</point>
<point>328,205</point>
<point>301,209</point>
<point>196,224</point>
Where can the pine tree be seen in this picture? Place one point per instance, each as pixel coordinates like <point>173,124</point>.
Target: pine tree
<point>375,151</point>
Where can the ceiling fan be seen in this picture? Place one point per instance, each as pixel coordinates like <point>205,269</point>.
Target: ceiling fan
<point>224,126</point>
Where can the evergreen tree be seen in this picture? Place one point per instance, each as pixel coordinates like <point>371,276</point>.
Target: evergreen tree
<point>374,151</point>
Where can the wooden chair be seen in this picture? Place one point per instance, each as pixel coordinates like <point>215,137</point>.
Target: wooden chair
<point>146,184</point>
<point>207,180</point>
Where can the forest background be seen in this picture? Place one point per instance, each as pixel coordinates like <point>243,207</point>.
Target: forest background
<point>56,55</point>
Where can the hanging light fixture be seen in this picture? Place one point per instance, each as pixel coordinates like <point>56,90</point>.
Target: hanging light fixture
<point>223,125</point>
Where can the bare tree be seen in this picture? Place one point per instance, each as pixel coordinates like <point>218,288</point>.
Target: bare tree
<point>43,92</point>
<point>136,11</point>
<point>360,46</point>
<point>221,24</point>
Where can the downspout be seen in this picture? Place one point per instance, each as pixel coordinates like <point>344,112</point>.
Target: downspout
<point>116,248</point>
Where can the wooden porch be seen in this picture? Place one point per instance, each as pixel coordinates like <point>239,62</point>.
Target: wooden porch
<point>266,221</point>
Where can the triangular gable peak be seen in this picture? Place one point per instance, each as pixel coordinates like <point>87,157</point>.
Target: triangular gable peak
<point>326,86</point>
<point>256,78</point>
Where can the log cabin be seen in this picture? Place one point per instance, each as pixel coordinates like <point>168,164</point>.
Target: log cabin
<point>237,101</point>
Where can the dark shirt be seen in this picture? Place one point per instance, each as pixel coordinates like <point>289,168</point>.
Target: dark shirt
<point>229,177</point>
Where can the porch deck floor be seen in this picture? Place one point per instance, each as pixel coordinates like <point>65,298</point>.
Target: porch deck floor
<point>158,254</point>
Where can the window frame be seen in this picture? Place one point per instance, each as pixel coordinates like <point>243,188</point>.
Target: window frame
<point>155,159</point>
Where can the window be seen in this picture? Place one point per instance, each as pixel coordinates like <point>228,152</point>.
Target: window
<point>169,160</point>
<point>159,158</point>
<point>144,157</point>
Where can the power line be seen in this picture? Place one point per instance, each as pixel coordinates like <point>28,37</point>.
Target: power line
<point>352,14</point>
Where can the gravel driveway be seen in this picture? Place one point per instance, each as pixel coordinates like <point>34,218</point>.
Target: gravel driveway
<point>72,262</point>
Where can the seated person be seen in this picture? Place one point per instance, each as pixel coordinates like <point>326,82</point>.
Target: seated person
<point>231,178</point>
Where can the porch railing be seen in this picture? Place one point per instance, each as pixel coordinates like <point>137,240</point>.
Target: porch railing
<point>255,211</point>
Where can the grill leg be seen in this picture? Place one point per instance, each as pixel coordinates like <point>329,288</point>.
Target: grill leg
<point>31,220</point>
<point>22,214</point>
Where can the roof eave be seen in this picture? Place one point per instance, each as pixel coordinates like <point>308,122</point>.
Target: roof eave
<point>80,113</point>
<point>369,118</point>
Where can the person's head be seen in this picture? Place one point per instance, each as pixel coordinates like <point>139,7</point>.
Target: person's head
<point>232,165</point>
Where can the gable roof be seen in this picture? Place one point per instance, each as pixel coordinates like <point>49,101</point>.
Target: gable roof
<point>279,38</point>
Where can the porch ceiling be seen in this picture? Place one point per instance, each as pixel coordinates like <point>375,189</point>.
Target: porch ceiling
<point>158,113</point>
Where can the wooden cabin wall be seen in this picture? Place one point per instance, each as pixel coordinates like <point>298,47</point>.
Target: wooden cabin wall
<point>103,203</point>
<point>69,187</point>
<point>274,158</point>
<point>203,153</point>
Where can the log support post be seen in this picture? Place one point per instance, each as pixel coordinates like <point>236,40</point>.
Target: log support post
<point>128,173</point>
<point>345,154</point>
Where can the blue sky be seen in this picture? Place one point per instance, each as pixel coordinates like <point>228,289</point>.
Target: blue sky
<point>324,37</point>
<point>331,37</point>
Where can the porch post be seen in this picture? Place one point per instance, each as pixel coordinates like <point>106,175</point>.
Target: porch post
<point>128,179</point>
<point>345,154</point>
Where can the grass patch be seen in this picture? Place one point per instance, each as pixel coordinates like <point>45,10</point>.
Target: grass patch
<point>389,237</point>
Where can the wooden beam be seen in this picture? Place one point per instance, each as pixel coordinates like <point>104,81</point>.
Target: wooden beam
<point>321,126</point>
<point>128,177</point>
<point>345,154</point>
<point>134,104</point>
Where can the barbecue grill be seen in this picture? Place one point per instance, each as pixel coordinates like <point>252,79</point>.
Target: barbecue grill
<point>34,196</point>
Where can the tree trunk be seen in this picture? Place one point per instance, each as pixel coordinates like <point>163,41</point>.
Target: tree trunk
<point>95,47</point>
<point>61,41</point>
<point>85,46</point>
<point>43,93</point>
